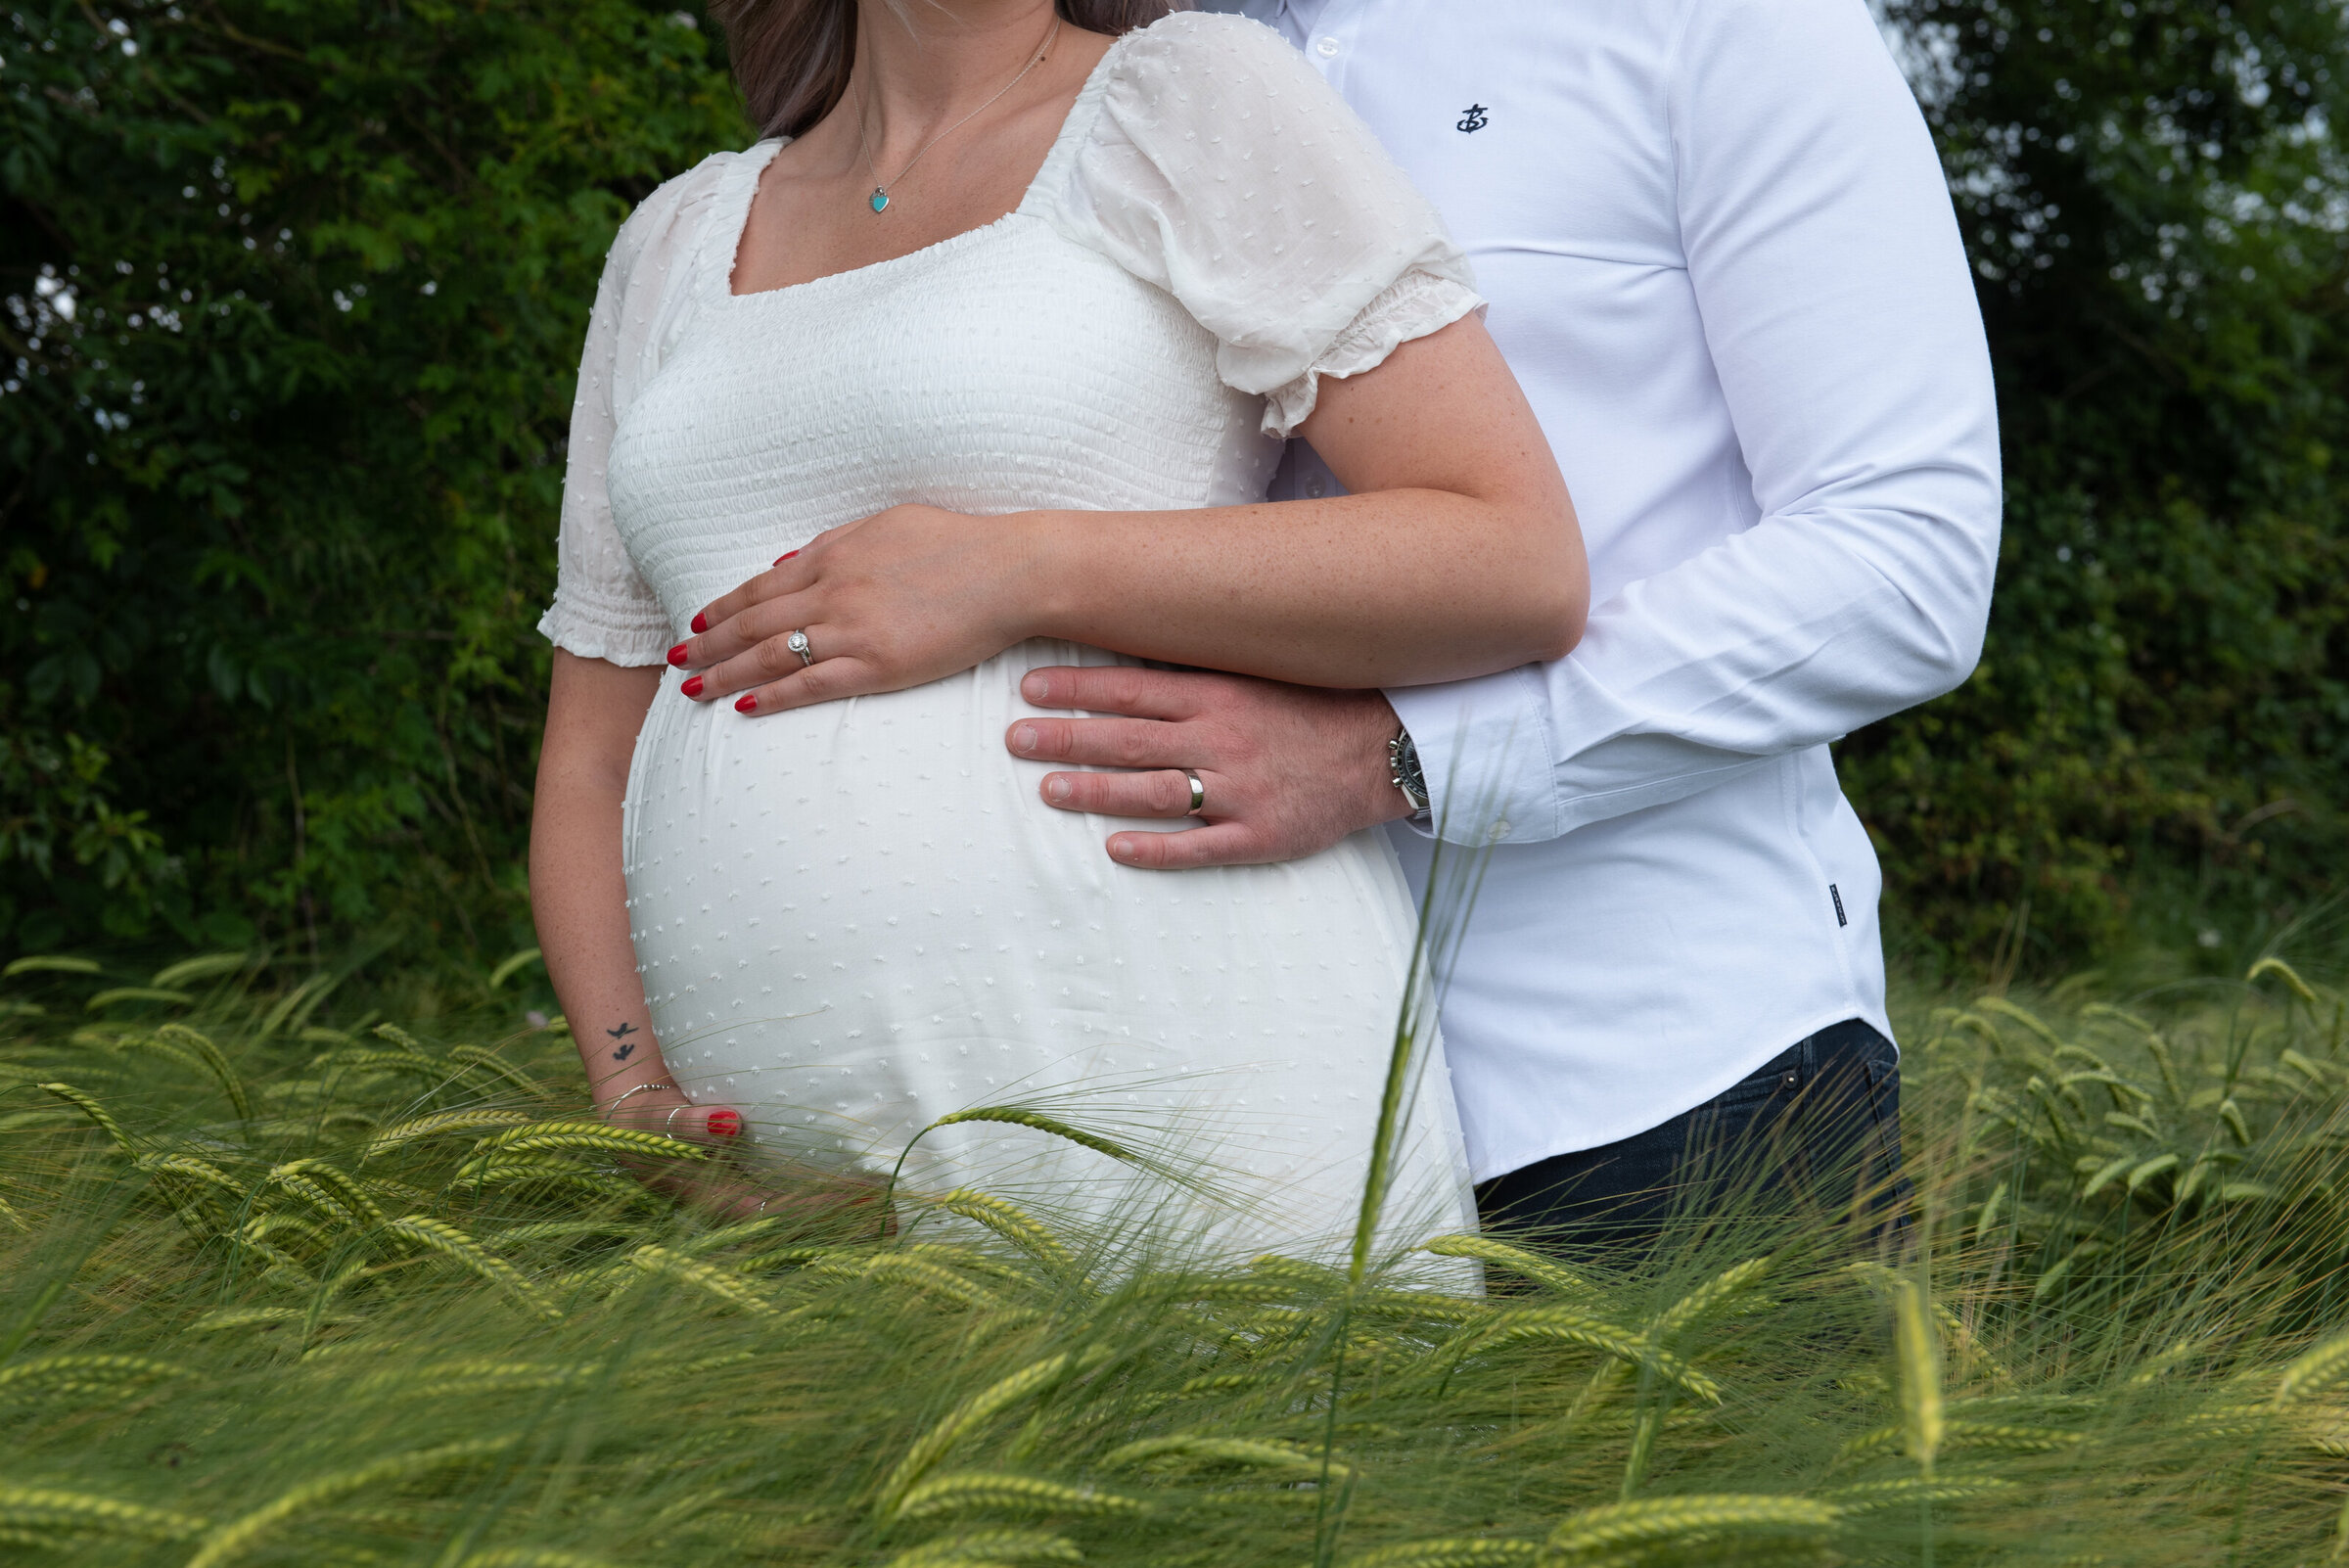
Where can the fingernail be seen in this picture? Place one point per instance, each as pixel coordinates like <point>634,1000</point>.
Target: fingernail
<point>677,655</point>
<point>1022,738</point>
<point>692,686</point>
<point>701,622</point>
<point>1035,688</point>
<point>749,703</point>
<point>1121,849</point>
<point>725,1123</point>
<point>1056,789</point>
<point>785,556</point>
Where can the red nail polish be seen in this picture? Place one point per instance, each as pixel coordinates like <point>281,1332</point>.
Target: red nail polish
<point>785,556</point>
<point>692,686</point>
<point>726,1125</point>
<point>701,623</point>
<point>749,703</point>
<point>677,655</point>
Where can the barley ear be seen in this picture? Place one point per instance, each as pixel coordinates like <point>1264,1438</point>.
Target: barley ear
<point>977,1546</point>
<point>1919,1348</point>
<point>1003,1491</point>
<point>450,1242</point>
<point>1012,1223</point>
<point>1618,1527</point>
<point>1450,1554</point>
<point>89,1106</point>
<point>2314,1371</point>
<point>1516,1260</point>
<point>709,1277</point>
<point>424,1126</point>
<point>226,1543</point>
<point>88,1513</point>
<point>2290,976</point>
<point>932,1445</point>
<point>230,1084</point>
<point>485,1060</point>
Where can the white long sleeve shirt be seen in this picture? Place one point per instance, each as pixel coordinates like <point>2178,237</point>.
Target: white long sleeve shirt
<point>1723,262</point>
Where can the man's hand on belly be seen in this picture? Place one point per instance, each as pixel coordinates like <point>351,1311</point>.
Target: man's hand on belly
<point>1288,770</point>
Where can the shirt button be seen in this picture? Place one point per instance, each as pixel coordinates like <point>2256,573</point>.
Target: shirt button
<point>1327,48</point>
<point>1501,829</point>
<point>1315,488</point>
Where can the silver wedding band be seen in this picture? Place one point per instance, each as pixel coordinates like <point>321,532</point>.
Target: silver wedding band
<point>798,643</point>
<point>1198,796</point>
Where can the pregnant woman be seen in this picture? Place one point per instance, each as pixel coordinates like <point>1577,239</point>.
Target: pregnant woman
<point>1012,309</point>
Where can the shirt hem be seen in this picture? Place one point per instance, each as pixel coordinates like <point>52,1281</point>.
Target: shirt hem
<point>1533,1151</point>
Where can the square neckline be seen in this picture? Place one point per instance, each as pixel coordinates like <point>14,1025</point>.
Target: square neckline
<point>753,164</point>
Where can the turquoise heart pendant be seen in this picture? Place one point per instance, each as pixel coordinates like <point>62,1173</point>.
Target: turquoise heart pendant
<point>879,198</point>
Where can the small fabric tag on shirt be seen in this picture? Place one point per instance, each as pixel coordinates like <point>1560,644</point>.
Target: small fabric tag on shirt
<point>1840,918</point>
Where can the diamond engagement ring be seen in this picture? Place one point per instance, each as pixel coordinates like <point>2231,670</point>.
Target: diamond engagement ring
<point>797,642</point>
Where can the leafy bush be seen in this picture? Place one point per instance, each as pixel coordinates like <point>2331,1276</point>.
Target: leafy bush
<point>2157,207</point>
<point>297,295</point>
<point>278,1292</point>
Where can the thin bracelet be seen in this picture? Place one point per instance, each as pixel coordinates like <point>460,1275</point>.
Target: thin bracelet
<point>638,1089</point>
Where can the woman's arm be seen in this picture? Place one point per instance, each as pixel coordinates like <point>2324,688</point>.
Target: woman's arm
<point>579,896</point>
<point>1456,555</point>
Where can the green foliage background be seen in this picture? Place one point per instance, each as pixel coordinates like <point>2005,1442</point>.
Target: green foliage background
<point>279,497</point>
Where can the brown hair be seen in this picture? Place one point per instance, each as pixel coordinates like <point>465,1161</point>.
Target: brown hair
<point>792,57</point>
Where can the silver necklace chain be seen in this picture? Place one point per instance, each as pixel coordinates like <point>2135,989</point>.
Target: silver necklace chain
<point>879,200</point>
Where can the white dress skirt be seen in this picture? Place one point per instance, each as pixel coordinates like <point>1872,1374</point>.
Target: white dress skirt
<point>855,919</point>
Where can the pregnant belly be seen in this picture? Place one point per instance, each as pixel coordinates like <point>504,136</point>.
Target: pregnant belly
<point>855,918</point>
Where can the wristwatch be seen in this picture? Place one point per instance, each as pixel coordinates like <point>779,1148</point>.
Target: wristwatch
<point>1402,768</point>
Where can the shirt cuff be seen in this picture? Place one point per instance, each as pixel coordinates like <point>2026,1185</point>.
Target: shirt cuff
<point>1485,748</point>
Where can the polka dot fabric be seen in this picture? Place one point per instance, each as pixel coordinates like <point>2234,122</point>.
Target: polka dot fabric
<point>856,918</point>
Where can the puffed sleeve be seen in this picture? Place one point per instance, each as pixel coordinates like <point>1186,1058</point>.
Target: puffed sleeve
<point>1220,167</point>
<point>603,608</point>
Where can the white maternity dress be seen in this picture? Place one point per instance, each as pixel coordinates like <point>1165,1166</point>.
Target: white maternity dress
<point>856,918</point>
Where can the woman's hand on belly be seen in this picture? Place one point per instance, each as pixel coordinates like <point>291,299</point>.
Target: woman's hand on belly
<point>902,598</point>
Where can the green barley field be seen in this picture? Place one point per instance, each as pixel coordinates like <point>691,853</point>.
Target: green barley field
<point>282,1282</point>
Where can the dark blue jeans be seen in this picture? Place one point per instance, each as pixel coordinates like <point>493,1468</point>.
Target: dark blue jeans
<point>1814,1132</point>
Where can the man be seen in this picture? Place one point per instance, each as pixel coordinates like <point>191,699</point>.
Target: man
<point>1723,261</point>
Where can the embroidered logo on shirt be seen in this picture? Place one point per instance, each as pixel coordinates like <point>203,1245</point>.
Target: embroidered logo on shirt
<point>1472,119</point>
